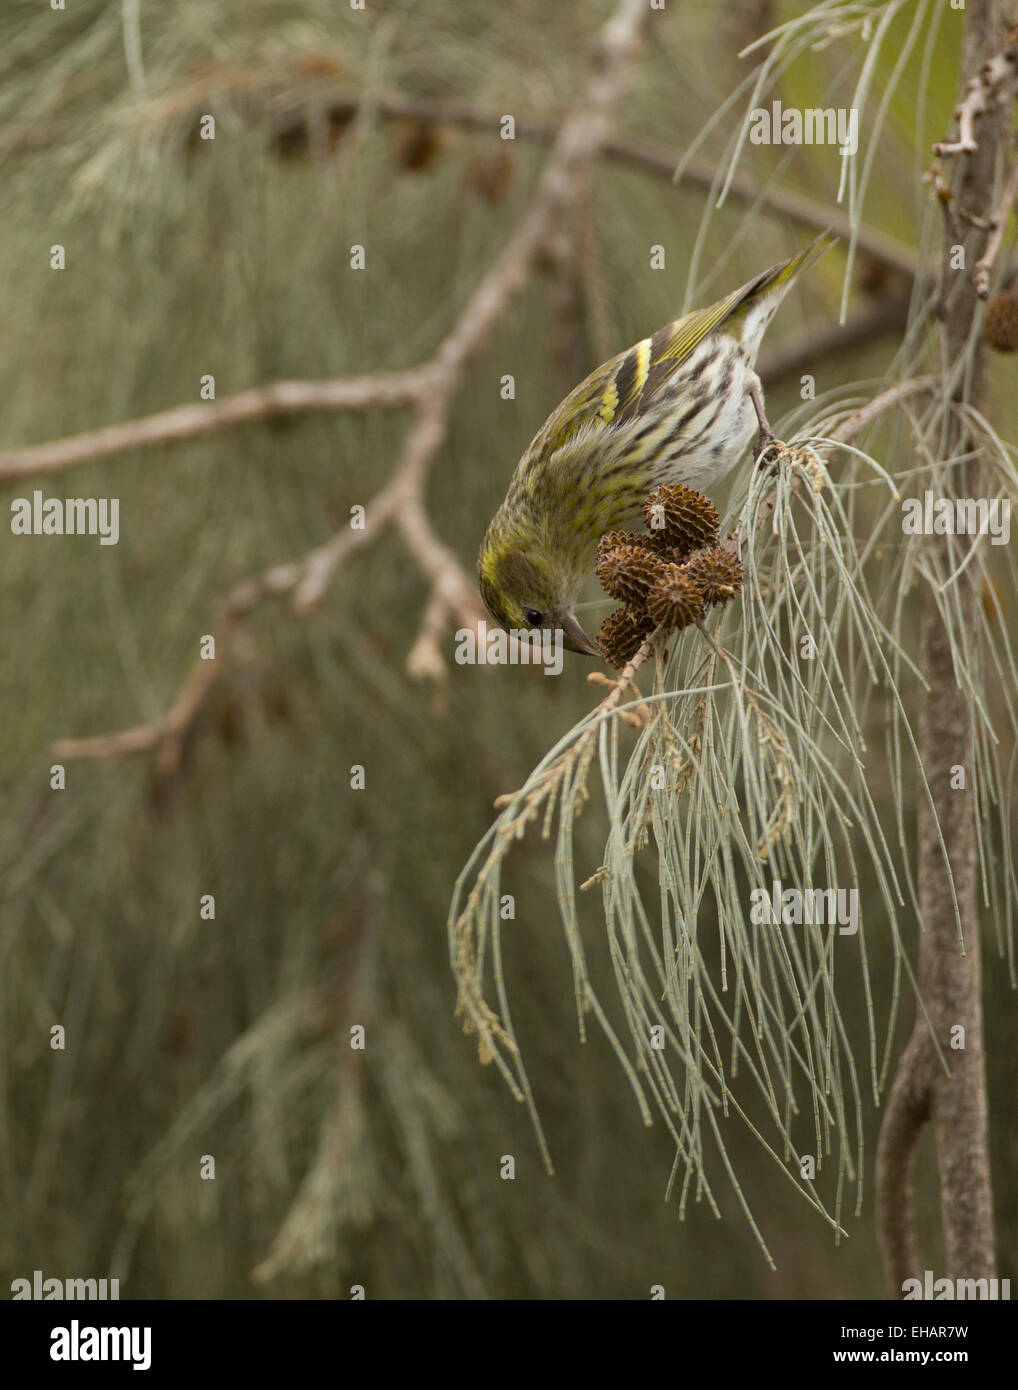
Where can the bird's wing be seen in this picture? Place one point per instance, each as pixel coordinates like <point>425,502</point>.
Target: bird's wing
<point>619,391</point>
<point>617,396</point>
<point>623,388</point>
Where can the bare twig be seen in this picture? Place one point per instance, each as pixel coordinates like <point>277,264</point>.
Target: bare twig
<point>857,420</point>
<point>794,358</point>
<point>401,388</point>
<point>843,433</point>
<point>998,225</point>
<point>995,84</point>
<point>660,161</point>
<point>170,730</point>
<point>185,422</point>
<point>655,159</point>
<point>430,390</point>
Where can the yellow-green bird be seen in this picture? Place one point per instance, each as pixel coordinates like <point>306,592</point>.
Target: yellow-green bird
<point>678,407</point>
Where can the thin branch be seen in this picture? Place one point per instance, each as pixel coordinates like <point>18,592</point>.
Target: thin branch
<point>401,388</point>
<point>998,224</point>
<point>843,433</point>
<point>170,730</point>
<point>995,85</point>
<point>431,389</point>
<point>655,159</point>
<point>186,422</point>
<point>858,420</point>
<point>905,1115</point>
<point>804,355</point>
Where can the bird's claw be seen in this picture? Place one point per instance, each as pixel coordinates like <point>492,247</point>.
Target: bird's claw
<point>765,444</point>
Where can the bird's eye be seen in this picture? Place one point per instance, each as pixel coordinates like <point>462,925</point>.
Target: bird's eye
<point>533,616</point>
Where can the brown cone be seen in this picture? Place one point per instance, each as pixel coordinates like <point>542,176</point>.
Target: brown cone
<point>680,518</point>
<point>717,573</point>
<point>611,539</point>
<point>675,600</point>
<point>1000,325</point>
<point>621,634</point>
<point>627,572</point>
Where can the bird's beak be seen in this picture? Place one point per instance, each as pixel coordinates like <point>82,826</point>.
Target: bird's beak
<point>574,639</point>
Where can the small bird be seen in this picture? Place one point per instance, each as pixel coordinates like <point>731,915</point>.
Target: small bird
<point>678,407</point>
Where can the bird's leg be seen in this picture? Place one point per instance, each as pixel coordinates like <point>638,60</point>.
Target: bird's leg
<point>766,437</point>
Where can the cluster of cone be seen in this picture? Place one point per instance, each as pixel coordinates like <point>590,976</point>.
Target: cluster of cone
<point>667,578</point>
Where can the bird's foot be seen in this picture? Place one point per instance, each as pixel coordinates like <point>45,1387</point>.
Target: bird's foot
<point>767,443</point>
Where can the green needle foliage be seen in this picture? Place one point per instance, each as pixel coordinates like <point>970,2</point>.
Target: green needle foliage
<point>230,1037</point>
<point>754,767</point>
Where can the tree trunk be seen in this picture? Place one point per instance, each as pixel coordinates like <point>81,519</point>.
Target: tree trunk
<point>950,978</point>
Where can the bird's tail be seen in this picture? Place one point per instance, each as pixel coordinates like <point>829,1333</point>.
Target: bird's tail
<point>757,300</point>
<point>780,276</point>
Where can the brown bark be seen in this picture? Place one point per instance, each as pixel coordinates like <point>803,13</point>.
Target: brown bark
<point>953,1100</point>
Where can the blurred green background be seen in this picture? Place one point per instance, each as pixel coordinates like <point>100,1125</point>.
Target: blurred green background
<point>231,1037</point>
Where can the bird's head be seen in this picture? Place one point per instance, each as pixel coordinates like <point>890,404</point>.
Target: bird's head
<point>528,584</point>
